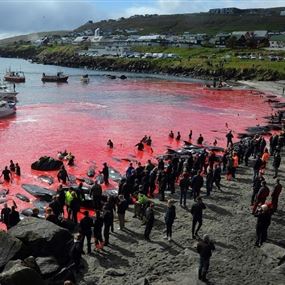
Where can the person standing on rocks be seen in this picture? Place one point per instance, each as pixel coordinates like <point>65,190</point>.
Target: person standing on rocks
<point>197,213</point>
<point>204,248</point>
<point>5,215</point>
<point>74,207</point>
<point>14,216</point>
<point>275,195</point>
<point>169,218</point>
<point>76,251</point>
<point>263,222</point>
<point>56,207</point>
<point>85,226</point>
<point>149,218</point>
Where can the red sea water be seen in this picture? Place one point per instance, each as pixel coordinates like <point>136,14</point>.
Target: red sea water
<point>82,117</point>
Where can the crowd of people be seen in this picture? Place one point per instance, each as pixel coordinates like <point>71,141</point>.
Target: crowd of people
<point>142,183</point>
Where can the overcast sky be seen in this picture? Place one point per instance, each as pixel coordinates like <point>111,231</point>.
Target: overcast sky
<point>26,16</point>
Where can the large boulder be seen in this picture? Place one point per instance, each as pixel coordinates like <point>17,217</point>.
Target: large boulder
<point>43,238</point>
<point>17,273</point>
<point>11,248</point>
<point>46,163</point>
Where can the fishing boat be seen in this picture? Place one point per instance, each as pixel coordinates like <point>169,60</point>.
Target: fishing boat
<point>59,77</point>
<point>84,78</point>
<point>7,109</point>
<point>15,76</point>
<point>5,90</point>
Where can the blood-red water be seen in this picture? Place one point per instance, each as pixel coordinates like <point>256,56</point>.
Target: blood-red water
<point>82,118</point>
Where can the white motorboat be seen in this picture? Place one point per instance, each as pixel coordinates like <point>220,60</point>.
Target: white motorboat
<point>5,90</point>
<point>7,108</point>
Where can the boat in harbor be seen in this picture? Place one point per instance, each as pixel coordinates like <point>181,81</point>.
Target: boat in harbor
<point>59,77</point>
<point>7,94</point>
<point>7,109</point>
<point>15,76</point>
<point>84,78</point>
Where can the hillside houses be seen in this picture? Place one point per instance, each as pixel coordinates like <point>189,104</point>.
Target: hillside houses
<point>104,44</point>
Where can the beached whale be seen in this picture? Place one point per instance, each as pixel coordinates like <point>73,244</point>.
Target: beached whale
<point>39,192</point>
<point>46,163</point>
<point>4,192</point>
<point>214,148</point>
<point>46,178</point>
<point>86,180</point>
<point>114,174</point>
<point>22,197</point>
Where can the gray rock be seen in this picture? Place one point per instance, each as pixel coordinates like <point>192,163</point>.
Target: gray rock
<point>48,265</point>
<point>43,238</point>
<point>11,248</point>
<point>280,269</point>
<point>114,272</point>
<point>31,262</point>
<point>15,273</point>
<point>272,251</point>
<point>142,281</point>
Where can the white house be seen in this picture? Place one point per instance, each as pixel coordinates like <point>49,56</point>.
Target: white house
<point>277,41</point>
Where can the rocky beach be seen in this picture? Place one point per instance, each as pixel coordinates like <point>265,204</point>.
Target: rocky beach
<point>228,221</point>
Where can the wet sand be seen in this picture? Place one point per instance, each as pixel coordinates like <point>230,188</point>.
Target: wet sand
<point>274,87</point>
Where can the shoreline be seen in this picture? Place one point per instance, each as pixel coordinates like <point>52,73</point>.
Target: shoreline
<point>273,87</point>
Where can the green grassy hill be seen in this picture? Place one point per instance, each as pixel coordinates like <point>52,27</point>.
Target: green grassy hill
<point>266,19</point>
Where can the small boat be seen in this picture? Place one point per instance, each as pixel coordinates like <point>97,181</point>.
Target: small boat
<point>15,76</point>
<point>60,77</point>
<point>5,90</point>
<point>7,109</point>
<point>85,78</point>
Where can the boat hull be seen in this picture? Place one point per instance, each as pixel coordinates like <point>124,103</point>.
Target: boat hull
<point>54,79</point>
<point>14,79</point>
